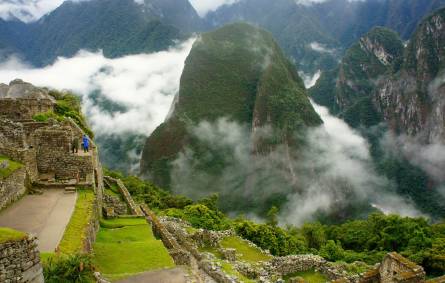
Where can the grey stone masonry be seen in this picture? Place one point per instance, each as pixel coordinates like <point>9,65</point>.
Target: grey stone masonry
<point>20,261</point>
<point>13,187</point>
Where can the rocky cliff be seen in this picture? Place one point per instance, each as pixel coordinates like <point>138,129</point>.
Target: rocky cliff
<point>235,76</point>
<point>348,90</point>
<point>412,100</point>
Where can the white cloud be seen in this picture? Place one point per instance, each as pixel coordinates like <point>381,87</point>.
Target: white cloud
<point>27,10</point>
<point>144,84</point>
<point>205,6</point>
<point>310,81</point>
<point>320,48</point>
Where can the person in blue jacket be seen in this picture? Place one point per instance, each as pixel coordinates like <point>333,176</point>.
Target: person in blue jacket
<point>86,143</point>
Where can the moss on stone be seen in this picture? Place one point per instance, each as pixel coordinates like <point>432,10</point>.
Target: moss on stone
<point>10,235</point>
<point>10,168</point>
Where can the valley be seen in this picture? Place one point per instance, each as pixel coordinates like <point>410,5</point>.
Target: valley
<point>227,141</point>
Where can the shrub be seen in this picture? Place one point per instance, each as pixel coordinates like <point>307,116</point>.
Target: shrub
<point>76,268</point>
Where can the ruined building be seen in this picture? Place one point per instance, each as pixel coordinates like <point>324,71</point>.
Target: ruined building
<point>42,147</point>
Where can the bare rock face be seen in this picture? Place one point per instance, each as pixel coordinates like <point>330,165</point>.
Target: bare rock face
<point>19,89</point>
<point>412,100</point>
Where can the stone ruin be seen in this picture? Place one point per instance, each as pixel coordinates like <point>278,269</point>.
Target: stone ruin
<point>20,261</point>
<point>21,101</point>
<point>43,147</point>
<point>396,268</point>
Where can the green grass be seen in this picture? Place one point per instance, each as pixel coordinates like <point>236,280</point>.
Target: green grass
<point>247,253</point>
<point>310,276</point>
<point>76,231</point>
<point>8,234</point>
<point>230,270</point>
<point>132,249</point>
<point>45,257</point>
<point>12,167</point>
<point>112,193</point>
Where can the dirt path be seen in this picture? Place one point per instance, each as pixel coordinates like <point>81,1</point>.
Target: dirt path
<point>44,215</point>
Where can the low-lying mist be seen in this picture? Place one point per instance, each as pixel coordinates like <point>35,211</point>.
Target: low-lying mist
<point>331,176</point>
<point>124,98</point>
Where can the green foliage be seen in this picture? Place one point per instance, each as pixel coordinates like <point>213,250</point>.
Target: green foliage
<point>237,73</point>
<point>11,168</point>
<point>200,216</point>
<point>153,196</point>
<point>68,105</point>
<point>76,268</point>
<point>272,216</point>
<point>332,251</point>
<point>310,276</point>
<point>44,117</point>
<point>8,234</point>
<point>125,247</point>
<point>77,230</point>
<point>275,239</point>
<point>248,253</point>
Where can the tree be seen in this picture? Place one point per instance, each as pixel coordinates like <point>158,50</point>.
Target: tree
<point>272,216</point>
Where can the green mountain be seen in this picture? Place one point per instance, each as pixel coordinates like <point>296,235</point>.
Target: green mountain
<point>118,27</point>
<point>239,74</point>
<point>347,91</point>
<point>402,87</point>
<point>334,25</point>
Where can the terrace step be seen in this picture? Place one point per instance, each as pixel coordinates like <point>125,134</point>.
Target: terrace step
<point>70,190</point>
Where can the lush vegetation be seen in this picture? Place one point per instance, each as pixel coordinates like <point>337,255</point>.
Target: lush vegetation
<point>127,246</point>
<point>248,253</point>
<point>310,276</point>
<point>76,231</point>
<point>226,78</point>
<point>7,235</point>
<point>67,105</point>
<point>76,268</point>
<point>11,167</point>
<point>367,240</point>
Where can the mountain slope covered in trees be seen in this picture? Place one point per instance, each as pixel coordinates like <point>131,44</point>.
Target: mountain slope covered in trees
<point>236,80</point>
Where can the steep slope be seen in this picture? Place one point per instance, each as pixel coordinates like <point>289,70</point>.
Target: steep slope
<point>412,100</point>
<point>334,24</point>
<point>118,27</point>
<point>235,77</point>
<point>351,86</point>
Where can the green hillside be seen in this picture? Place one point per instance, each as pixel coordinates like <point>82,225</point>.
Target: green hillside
<point>238,73</point>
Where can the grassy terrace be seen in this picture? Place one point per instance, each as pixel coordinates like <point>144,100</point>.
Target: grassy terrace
<point>310,276</point>
<point>12,166</point>
<point>246,252</point>
<point>7,235</point>
<point>76,231</point>
<point>127,246</point>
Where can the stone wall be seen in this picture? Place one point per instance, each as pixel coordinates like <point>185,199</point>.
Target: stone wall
<point>54,157</point>
<point>179,255</point>
<point>20,261</point>
<point>12,134</point>
<point>24,156</point>
<point>134,209</point>
<point>13,187</point>
<point>113,206</point>
<point>396,268</point>
<point>23,108</point>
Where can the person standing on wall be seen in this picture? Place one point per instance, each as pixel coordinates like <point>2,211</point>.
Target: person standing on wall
<point>75,144</point>
<point>86,143</point>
